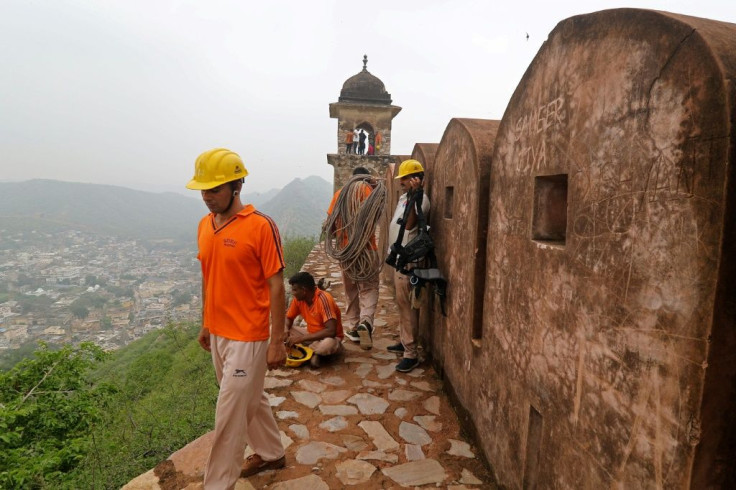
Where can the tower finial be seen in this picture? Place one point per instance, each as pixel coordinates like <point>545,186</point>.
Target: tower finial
<point>365,62</point>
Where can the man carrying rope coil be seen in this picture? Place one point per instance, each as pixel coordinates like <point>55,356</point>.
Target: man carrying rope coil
<point>350,239</point>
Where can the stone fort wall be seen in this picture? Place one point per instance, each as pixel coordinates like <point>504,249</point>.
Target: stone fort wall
<point>589,241</point>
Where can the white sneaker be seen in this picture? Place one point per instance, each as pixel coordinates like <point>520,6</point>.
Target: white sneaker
<point>365,335</point>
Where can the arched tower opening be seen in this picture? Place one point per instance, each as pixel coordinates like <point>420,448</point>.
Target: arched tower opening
<point>364,104</point>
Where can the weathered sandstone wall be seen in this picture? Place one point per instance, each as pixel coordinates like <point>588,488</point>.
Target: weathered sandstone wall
<point>604,357</point>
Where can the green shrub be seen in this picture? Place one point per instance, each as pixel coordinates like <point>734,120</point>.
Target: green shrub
<point>296,250</point>
<point>166,395</point>
<point>47,408</point>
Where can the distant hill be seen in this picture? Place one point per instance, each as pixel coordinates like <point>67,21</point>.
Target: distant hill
<point>300,208</point>
<point>259,198</point>
<point>107,209</point>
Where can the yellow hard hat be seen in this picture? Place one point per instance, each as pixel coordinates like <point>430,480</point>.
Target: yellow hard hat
<point>409,167</point>
<point>216,167</point>
<point>297,355</point>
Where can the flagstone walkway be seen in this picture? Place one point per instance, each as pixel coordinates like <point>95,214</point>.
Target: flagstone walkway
<point>353,423</point>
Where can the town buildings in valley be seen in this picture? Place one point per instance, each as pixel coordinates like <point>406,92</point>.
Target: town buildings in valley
<point>72,286</point>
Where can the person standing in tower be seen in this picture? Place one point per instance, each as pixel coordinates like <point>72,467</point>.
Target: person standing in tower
<point>242,286</point>
<point>348,141</point>
<point>361,142</point>
<point>378,141</point>
<point>356,135</point>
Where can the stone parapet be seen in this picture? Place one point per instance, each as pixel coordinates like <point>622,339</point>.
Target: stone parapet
<point>344,164</point>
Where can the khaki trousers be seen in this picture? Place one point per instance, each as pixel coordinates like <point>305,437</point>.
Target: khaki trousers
<point>408,316</point>
<point>324,347</point>
<point>361,299</point>
<point>243,414</point>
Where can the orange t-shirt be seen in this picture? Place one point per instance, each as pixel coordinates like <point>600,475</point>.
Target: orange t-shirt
<point>323,308</point>
<point>365,191</point>
<point>236,260</point>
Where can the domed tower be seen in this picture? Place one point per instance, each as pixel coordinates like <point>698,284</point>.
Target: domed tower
<point>364,104</point>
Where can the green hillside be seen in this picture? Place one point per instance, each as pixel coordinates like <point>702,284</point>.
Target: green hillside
<point>75,417</point>
<point>165,398</point>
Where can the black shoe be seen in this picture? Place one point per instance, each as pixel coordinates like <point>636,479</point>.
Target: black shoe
<point>407,365</point>
<point>396,348</point>
<point>352,335</point>
<point>365,333</point>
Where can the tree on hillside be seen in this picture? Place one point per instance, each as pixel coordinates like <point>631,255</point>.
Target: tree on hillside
<point>180,298</point>
<point>105,322</point>
<point>79,310</point>
<point>24,280</point>
<point>46,410</point>
<point>81,306</point>
<point>39,305</point>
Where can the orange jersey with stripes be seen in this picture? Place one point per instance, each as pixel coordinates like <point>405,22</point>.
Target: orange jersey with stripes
<point>322,309</point>
<point>236,260</point>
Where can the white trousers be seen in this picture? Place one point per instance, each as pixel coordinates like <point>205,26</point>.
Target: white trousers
<point>243,414</point>
<point>361,299</point>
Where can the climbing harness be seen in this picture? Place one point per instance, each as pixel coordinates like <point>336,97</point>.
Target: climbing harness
<point>350,228</point>
<point>420,247</point>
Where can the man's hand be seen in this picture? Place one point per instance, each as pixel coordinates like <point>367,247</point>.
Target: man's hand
<point>204,339</point>
<point>415,183</point>
<point>294,337</point>
<point>276,356</point>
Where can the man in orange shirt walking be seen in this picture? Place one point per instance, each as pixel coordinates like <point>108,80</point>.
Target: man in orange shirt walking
<point>242,286</point>
<point>323,332</point>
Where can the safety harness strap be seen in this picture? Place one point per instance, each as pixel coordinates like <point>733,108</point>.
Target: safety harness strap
<point>418,278</point>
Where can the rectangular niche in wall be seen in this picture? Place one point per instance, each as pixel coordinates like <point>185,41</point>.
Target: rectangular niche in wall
<point>449,201</point>
<point>549,221</point>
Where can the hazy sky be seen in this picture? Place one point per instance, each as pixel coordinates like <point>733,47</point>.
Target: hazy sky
<point>129,92</point>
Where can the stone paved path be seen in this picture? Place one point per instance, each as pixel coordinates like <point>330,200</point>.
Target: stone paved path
<point>354,423</point>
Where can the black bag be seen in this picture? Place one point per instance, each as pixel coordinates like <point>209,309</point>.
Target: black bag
<point>418,247</point>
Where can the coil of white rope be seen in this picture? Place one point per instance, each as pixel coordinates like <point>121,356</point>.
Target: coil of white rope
<point>351,227</point>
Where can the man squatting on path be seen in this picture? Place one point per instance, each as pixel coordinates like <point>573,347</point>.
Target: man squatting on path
<point>242,284</point>
<point>323,332</point>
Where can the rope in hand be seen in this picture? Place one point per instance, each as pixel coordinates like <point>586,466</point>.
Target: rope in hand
<point>350,228</point>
